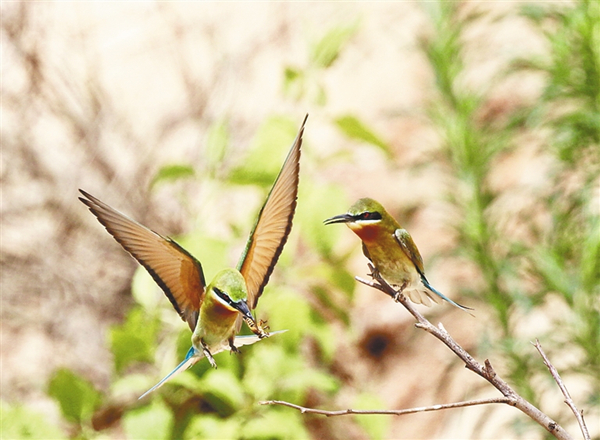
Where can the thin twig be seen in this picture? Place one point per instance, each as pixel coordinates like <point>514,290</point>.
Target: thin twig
<point>395,412</point>
<point>568,400</point>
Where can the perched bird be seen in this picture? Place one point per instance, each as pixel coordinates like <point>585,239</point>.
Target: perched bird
<point>215,312</point>
<point>392,251</point>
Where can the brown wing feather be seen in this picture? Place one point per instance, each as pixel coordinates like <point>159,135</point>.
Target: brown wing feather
<point>410,249</point>
<point>177,272</point>
<point>273,226</point>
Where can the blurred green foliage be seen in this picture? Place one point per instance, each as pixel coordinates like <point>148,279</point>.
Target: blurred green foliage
<point>19,422</point>
<point>560,256</point>
<point>224,402</point>
<point>306,81</point>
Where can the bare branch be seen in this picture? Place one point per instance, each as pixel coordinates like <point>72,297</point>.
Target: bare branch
<point>394,412</point>
<point>568,400</point>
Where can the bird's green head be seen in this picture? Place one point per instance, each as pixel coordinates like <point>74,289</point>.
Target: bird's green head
<point>229,288</point>
<point>364,212</point>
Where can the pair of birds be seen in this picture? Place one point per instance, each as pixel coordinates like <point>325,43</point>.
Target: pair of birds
<point>215,312</point>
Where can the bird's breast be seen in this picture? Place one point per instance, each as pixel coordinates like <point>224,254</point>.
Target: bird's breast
<point>392,263</point>
<point>216,323</point>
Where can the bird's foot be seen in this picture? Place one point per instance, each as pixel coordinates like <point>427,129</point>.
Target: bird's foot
<point>374,272</point>
<point>233,348</point>
<point>208,356</point>
<point>399,293</point>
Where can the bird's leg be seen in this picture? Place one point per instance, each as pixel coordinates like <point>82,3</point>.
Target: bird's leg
<point>374,272</point>
<point>376,275</point>
<point>399,291</point>
<point>206,352</point>
<point>234,349</point>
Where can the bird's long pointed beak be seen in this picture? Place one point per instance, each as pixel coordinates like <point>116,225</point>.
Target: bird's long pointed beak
<point>342,218</point>
<point>243,308</point>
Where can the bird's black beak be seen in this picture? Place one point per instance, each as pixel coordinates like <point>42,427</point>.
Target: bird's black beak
<point>342,218</point>
<point>243,308</point>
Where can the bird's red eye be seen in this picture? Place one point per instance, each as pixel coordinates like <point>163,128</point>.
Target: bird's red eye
<point>370,216</point>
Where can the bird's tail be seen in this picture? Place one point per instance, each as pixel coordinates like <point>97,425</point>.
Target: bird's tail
<point>190,359</point>
<point>444,297</point>
<point>194,356</point>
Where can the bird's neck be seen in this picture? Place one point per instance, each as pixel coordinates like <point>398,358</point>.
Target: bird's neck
<point>370,233</point>
<point>217,311</point>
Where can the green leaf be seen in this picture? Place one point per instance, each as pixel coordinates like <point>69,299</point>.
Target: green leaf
<point>169,173</point>
<point>223,391</point>
<point>19,422</point>
<point>213,427</point>
<point>217,141</point>
<point>145,291</point>
<point>328,49</point>
<point>153,422</point>
<point>265,365</point>
<point>267,152</point>
<point>305,379</point>
<point>316,200</point>
<point>287,310</point>
<point>212,252</point>
<point>134,340</point>
<point>294,82</point>
<point>353,128</point>
<point>376,427</point>
<point>276,424</point>
<point>76,396</point>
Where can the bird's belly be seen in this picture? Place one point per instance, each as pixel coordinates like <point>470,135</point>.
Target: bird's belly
<point>214,333</point>
<point>395,270</point>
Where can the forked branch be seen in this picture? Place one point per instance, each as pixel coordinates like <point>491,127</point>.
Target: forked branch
<point>563,389</point>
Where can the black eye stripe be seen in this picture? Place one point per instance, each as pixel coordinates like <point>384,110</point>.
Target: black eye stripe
<point>369,216</point>
<point>224,296</point>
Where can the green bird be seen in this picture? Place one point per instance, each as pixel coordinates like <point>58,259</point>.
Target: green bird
<point>215,312</point>
<point>392,251</point>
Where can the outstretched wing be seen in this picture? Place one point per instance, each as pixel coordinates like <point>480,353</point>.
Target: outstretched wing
<point>177,272</point>
<point>273,225</point>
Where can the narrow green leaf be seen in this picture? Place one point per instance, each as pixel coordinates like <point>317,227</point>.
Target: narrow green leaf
<point>294,82</point>
<point>267,152</point>
<point>328,49</point>
<point>352,127</point>
<point>134,340</point>
<point>169,173</point>
<point>217,141</point>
